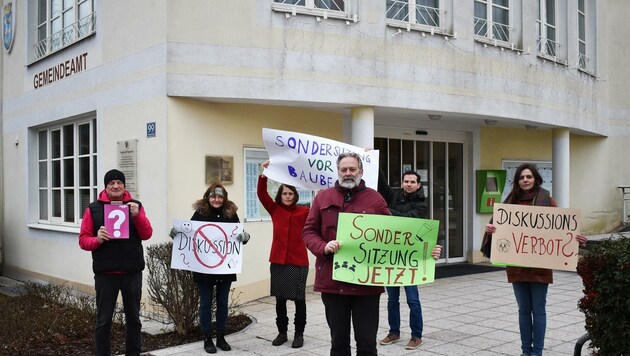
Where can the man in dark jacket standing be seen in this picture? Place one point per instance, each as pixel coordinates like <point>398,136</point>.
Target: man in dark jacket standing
<point>344,303</point>
<point>408,202</point>
<point>117,262</point>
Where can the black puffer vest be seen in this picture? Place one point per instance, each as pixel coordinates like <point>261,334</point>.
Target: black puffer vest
<point>116,255</point>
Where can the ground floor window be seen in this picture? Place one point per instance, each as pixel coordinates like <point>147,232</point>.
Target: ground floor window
<point>254,211</point>
<point>66,165</point>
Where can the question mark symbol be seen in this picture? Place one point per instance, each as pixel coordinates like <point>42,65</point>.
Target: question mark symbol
<point>120,218</point>
<point>234,231</point>
<point>184,259</point>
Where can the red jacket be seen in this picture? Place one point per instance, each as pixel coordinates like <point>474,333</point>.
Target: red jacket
<point>287,247</point>
<point>321,227</point>
<point>87,237</point>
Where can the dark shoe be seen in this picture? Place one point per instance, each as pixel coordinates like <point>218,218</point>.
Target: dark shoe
<point>208,345</point>
<point>298,341</point>
<point>280,339</point>
<point>222,344</point>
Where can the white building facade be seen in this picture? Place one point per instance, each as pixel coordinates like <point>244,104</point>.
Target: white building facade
<point>442,87</point>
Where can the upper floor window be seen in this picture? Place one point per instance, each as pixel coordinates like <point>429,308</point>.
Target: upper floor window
<point>325,8</point>
<point>423,12</point>
<point>492,20</point>
<point>419,14</point>
<point>547,35</point>
<point>582,58</point>
<point>61,23</point>
<point>587,35</point>
<point>66,171</point>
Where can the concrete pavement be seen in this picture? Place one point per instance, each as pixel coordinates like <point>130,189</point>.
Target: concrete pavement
<point>465,315</point>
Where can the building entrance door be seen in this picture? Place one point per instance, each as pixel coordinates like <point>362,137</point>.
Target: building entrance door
<point>441,169</point>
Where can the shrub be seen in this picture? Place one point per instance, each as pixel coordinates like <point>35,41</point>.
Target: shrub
<point>605,272</point>
<point>173,290</point>
<point>46,319</point>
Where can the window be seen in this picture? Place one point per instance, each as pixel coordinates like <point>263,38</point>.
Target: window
<point>582,58</point>
<point>254,211</point>
<point>492,20</point>
<point>421,12</point>
<point>61,23</point>
<point>325,8</point>
<point>547,43</point>
<point>67,171</point>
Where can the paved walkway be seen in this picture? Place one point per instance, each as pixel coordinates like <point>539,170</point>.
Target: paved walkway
<point>467,315</point>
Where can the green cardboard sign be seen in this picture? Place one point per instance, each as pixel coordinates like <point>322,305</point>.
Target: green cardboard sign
<point>384,250</point>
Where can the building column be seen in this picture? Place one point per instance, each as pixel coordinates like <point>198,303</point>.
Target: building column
<point>561,166</point>
<point>362,123</point>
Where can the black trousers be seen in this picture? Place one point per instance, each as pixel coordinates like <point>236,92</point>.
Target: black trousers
<point>362,311</point>
<point>107,287</point>
<point>282,319</point>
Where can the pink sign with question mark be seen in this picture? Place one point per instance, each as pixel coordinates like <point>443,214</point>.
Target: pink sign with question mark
<point>117,220</point>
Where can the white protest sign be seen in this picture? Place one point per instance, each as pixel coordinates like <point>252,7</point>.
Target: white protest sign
<point>535,236</point>
<point>310,162</point>
<point>207,247</point>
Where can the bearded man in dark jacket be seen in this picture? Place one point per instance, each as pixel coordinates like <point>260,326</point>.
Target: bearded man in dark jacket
<point>408,202</point>
<point>344,303</point>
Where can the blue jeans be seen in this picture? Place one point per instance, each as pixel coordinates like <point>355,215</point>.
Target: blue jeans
<point>206,294</point>
<point>415,310</point>
<point>531,298</point>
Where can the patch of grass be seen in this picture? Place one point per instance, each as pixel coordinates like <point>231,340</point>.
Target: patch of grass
<point>52,320</point>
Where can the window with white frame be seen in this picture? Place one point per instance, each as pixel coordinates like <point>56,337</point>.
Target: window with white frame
<point>416,12</point>
<point>61,23</point>
<point>492,20</point>
<point>67,180</point>
<point>547,34</point>
<point>587,35</point>
<point>340,9</point>
<point>582,58</point>
<point>254,211</point>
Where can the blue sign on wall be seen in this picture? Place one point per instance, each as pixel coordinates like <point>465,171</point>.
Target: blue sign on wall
<point>150,129</point>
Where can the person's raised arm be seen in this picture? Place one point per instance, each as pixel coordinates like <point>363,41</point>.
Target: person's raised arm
<point>383,187</point>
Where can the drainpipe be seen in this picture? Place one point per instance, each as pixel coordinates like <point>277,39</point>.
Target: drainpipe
<point>1,162</point>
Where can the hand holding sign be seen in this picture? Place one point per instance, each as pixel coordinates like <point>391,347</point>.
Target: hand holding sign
<point>535,236</point>
<point>385,250</point>
<point>117,220</point>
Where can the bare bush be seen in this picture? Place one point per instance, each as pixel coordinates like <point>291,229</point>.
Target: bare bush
<point>173,290</point>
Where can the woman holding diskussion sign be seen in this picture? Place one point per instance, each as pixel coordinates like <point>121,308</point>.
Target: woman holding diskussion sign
<point>530,284</point>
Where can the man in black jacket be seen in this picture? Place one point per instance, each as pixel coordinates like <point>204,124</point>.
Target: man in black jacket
<point>408,202</point>
<point>117,261</point>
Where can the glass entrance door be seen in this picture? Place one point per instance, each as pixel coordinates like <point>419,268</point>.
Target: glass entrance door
<point>441,169</point>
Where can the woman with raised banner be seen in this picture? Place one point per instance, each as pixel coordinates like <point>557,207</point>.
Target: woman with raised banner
<point>530,284</point>
<point>288,257</point>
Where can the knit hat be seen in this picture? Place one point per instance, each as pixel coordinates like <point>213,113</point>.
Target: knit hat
<point>218,191</point>
<point>114,174</point>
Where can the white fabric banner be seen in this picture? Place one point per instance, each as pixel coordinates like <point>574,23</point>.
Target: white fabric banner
<point>207,247</point>
<point>310,162</point>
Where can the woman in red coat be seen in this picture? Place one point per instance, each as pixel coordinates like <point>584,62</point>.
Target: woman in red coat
<point>288,257</point>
